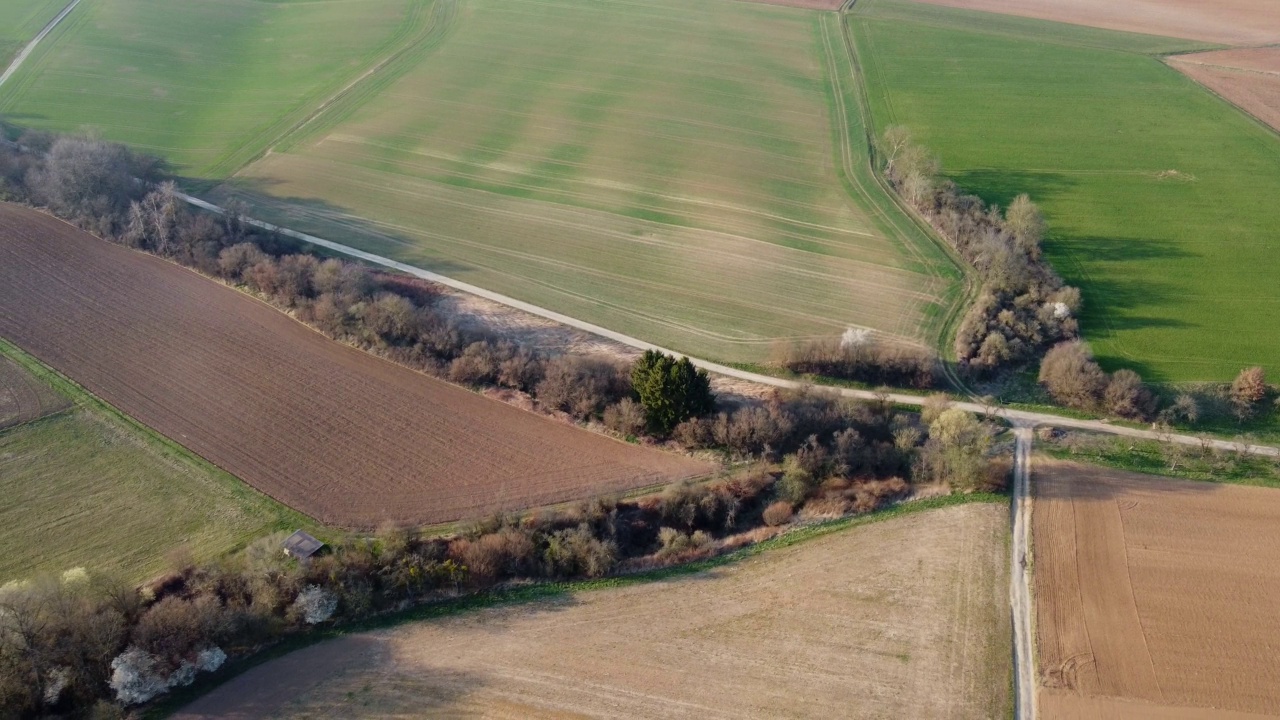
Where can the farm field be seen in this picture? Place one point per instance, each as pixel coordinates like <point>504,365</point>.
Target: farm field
<point>22,20</point>
<point>83,487</point>
<point>1229,22</point>
<point>331,431</point>
<point>900,618</point>
<point>1249,78</point>
<point>24,398</point>
<point>1154,597</point>
<point>665,169</point>
<point>206,84</point>
<point>1160,196</point>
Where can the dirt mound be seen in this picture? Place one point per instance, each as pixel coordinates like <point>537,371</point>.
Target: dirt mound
<point>1155,597</point>
<point>336,433</point>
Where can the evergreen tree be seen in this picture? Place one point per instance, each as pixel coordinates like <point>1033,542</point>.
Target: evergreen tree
<point>670,390</point>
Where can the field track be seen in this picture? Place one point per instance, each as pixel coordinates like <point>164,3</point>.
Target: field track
<point>1228,22</point>
<point>329,430</point>
<point>1155,597</point>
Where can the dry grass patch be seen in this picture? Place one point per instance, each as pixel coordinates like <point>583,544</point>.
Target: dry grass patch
<point>903,618</point>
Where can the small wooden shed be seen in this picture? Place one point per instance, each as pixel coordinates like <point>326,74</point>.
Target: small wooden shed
<point>302,546</point>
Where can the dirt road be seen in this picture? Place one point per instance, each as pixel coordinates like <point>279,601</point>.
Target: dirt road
<point>1024,672</point>
<point>26,51</point>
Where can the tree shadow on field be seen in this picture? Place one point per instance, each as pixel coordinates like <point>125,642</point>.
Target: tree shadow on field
<point>1002,186</point>
<point>271,688</point>
<point>324,220</point>
<point>1068,480</point>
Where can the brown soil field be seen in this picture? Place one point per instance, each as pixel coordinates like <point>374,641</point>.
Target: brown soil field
<point>23,398</point>
<point>1248,78</point>
<point>334,432</point>
<point>905,618</point>
<point>1228,22</point>
<point>1154,597</point>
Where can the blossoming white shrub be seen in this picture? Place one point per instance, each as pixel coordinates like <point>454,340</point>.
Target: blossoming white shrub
<point>316,604</point>
<point>854,337</point>
<point>134,677</point>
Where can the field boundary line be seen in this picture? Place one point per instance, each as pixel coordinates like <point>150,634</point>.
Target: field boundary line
<point>82,398</point>
<point>31,46</point>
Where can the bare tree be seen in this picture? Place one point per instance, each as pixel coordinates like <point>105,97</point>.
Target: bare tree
<point>1026,222</point>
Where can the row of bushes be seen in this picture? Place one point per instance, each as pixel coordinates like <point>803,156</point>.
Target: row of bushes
<point>82,645</point>
<point>1023,307</point>
<point>858,355</point>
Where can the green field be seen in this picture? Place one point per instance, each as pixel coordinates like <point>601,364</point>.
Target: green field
<point>692,172</point>
<point>88,487</point>
<point>207,84</point>
<point>22,20</point>
<point>1164,201</point>
<point>671,170</point>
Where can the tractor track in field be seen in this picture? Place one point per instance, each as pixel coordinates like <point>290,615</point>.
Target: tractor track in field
<point>31,46</point>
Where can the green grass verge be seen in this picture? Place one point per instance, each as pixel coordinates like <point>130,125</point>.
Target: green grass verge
<point>550,590</point>
<point>1153,458</point>
<point>1160,196</point>
<point>92,487</point>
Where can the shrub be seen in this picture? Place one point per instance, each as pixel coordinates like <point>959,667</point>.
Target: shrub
<point>1071,376</point>
<point>625,417</point>
<point>1247,390</point>
<point>577,551</point>
<point>796,483</point>
<point>582,386</point>
<point>315,605</point>
<point>1127,397</point>
<point>778,513</point>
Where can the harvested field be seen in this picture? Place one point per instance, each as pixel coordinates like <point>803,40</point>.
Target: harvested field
<point>905,618</point>
<point>1228,22</point>
<point>1249,78</point>
<point>1155,597</point>
<point>329,430</point>
<point>24,398</point>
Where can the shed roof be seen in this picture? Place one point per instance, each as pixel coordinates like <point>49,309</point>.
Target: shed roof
<point>302,545</point>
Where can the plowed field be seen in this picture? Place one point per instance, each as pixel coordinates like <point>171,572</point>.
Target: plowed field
<point>1155,597</point>
<point>906,618</point>
<point>1249,78</point>
<point>1229,22</point>
<point>334,432</point>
